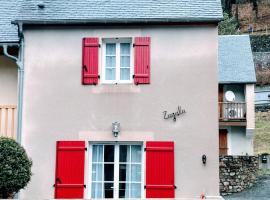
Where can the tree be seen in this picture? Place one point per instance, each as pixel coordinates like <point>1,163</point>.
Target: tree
<point>228,26</point>
<point>15,167</point>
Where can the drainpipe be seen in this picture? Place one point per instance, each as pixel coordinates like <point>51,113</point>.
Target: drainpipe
<point>19,62</point>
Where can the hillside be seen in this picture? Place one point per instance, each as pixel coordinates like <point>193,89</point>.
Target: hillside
<point>250,13</point>
<point>262,133</point>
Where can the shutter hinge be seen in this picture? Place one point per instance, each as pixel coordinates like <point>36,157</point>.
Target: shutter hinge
<point>99,45</point>
<point>144,187</point>
<point>84,186</point>
<point>145,149</point>
<point>175,187</point>
<point>134,45</point>
<point>85,68</point>
<point>98,76</point>
<point>133,76</point>
<point>85,148</point>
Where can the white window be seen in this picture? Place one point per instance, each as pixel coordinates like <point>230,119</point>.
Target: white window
<point>117,61</point>
<point>116,171</point>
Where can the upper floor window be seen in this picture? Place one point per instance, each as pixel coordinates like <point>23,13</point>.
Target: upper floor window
<point>117,61</point>
<point>121,63</point>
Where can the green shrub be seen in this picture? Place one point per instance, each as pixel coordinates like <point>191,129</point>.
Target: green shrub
<point>228,26</point>
<point>15,167</point>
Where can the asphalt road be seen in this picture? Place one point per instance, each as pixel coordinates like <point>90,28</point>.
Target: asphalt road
<point>260,191</point>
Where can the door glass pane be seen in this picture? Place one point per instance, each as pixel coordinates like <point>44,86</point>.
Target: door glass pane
<point>136,153</point>
<point>135,173</point>
<point>96,190</point>
<point>124,153</point>
<point>108,190</point>
<point>124,170</point>
<point>124,190</point>
<point>97,172</point>
<point>135,190</point>
<point>108,153</point>
<point>97,153</point>
<point>108,172</point>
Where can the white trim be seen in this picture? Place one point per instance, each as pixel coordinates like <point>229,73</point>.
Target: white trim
<point>117,65</point>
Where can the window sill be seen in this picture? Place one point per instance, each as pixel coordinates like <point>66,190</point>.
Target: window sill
<point>110,88</point>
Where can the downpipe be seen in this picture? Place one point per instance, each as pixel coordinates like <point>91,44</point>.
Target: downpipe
<point>20,64</point>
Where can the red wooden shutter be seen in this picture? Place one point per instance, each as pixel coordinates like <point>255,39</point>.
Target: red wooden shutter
<point>142,60</point>
<point>160,170</point>
<point>69,175</point>
<point>90,61</point>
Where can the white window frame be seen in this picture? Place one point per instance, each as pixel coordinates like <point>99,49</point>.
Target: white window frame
<point>116,167</point>
<point>117,80</point>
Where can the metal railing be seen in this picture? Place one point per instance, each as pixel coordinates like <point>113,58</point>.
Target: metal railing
<point>232,111</point>
<point>8,120</point>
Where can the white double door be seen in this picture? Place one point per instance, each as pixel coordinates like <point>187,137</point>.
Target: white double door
<point>116,170</point>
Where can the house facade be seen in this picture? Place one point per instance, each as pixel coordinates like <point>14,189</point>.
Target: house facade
<point>111,106</point>
<point>236,95</point>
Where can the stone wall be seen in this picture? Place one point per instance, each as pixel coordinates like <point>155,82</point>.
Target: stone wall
<point>237,173</point>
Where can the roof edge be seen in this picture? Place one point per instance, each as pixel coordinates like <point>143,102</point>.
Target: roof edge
<point>117,21</point>
<point>237,82</point>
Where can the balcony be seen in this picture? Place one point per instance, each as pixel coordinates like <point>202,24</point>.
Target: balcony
<point>8,120</point>
<point>234,112</point>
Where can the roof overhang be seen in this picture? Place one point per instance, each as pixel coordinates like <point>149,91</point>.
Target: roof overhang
<point>120,21</point>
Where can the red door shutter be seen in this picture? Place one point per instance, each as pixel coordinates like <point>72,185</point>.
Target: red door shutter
<point>142,60</point>
<point>90,61</point>
<point>69,175</point>
<point>160,170</point>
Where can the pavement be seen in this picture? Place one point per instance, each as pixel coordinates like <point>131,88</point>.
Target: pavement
<point>260,191</point>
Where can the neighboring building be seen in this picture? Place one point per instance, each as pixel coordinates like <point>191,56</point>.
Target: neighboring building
<point>9,47</point>
<point>236,95</point>
<point>262,98</point>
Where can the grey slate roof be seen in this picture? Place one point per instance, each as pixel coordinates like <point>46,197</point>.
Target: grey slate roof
<point>120,11</point>
<point>235,60</point>
<point>8,12</point>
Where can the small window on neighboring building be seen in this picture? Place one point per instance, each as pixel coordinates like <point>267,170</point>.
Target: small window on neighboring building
<point>117,61</point>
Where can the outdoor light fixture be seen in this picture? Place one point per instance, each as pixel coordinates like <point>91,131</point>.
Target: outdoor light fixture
<point>204,159</point>
<point>115,128</point>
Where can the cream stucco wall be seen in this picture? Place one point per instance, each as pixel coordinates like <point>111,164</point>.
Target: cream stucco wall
<point>250,99</point>
<point>8,81</point>
<point>58,107</point>
<point>238,141</point>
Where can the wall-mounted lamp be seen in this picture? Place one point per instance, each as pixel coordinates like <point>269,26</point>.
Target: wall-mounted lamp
<point>204,158</point>
<point>115,128</point>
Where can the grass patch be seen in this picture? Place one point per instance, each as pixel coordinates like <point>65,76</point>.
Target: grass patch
<point>262,133</point>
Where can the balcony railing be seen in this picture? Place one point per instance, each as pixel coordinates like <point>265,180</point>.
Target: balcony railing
<point>8,120</point>
<point>232,111</point>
